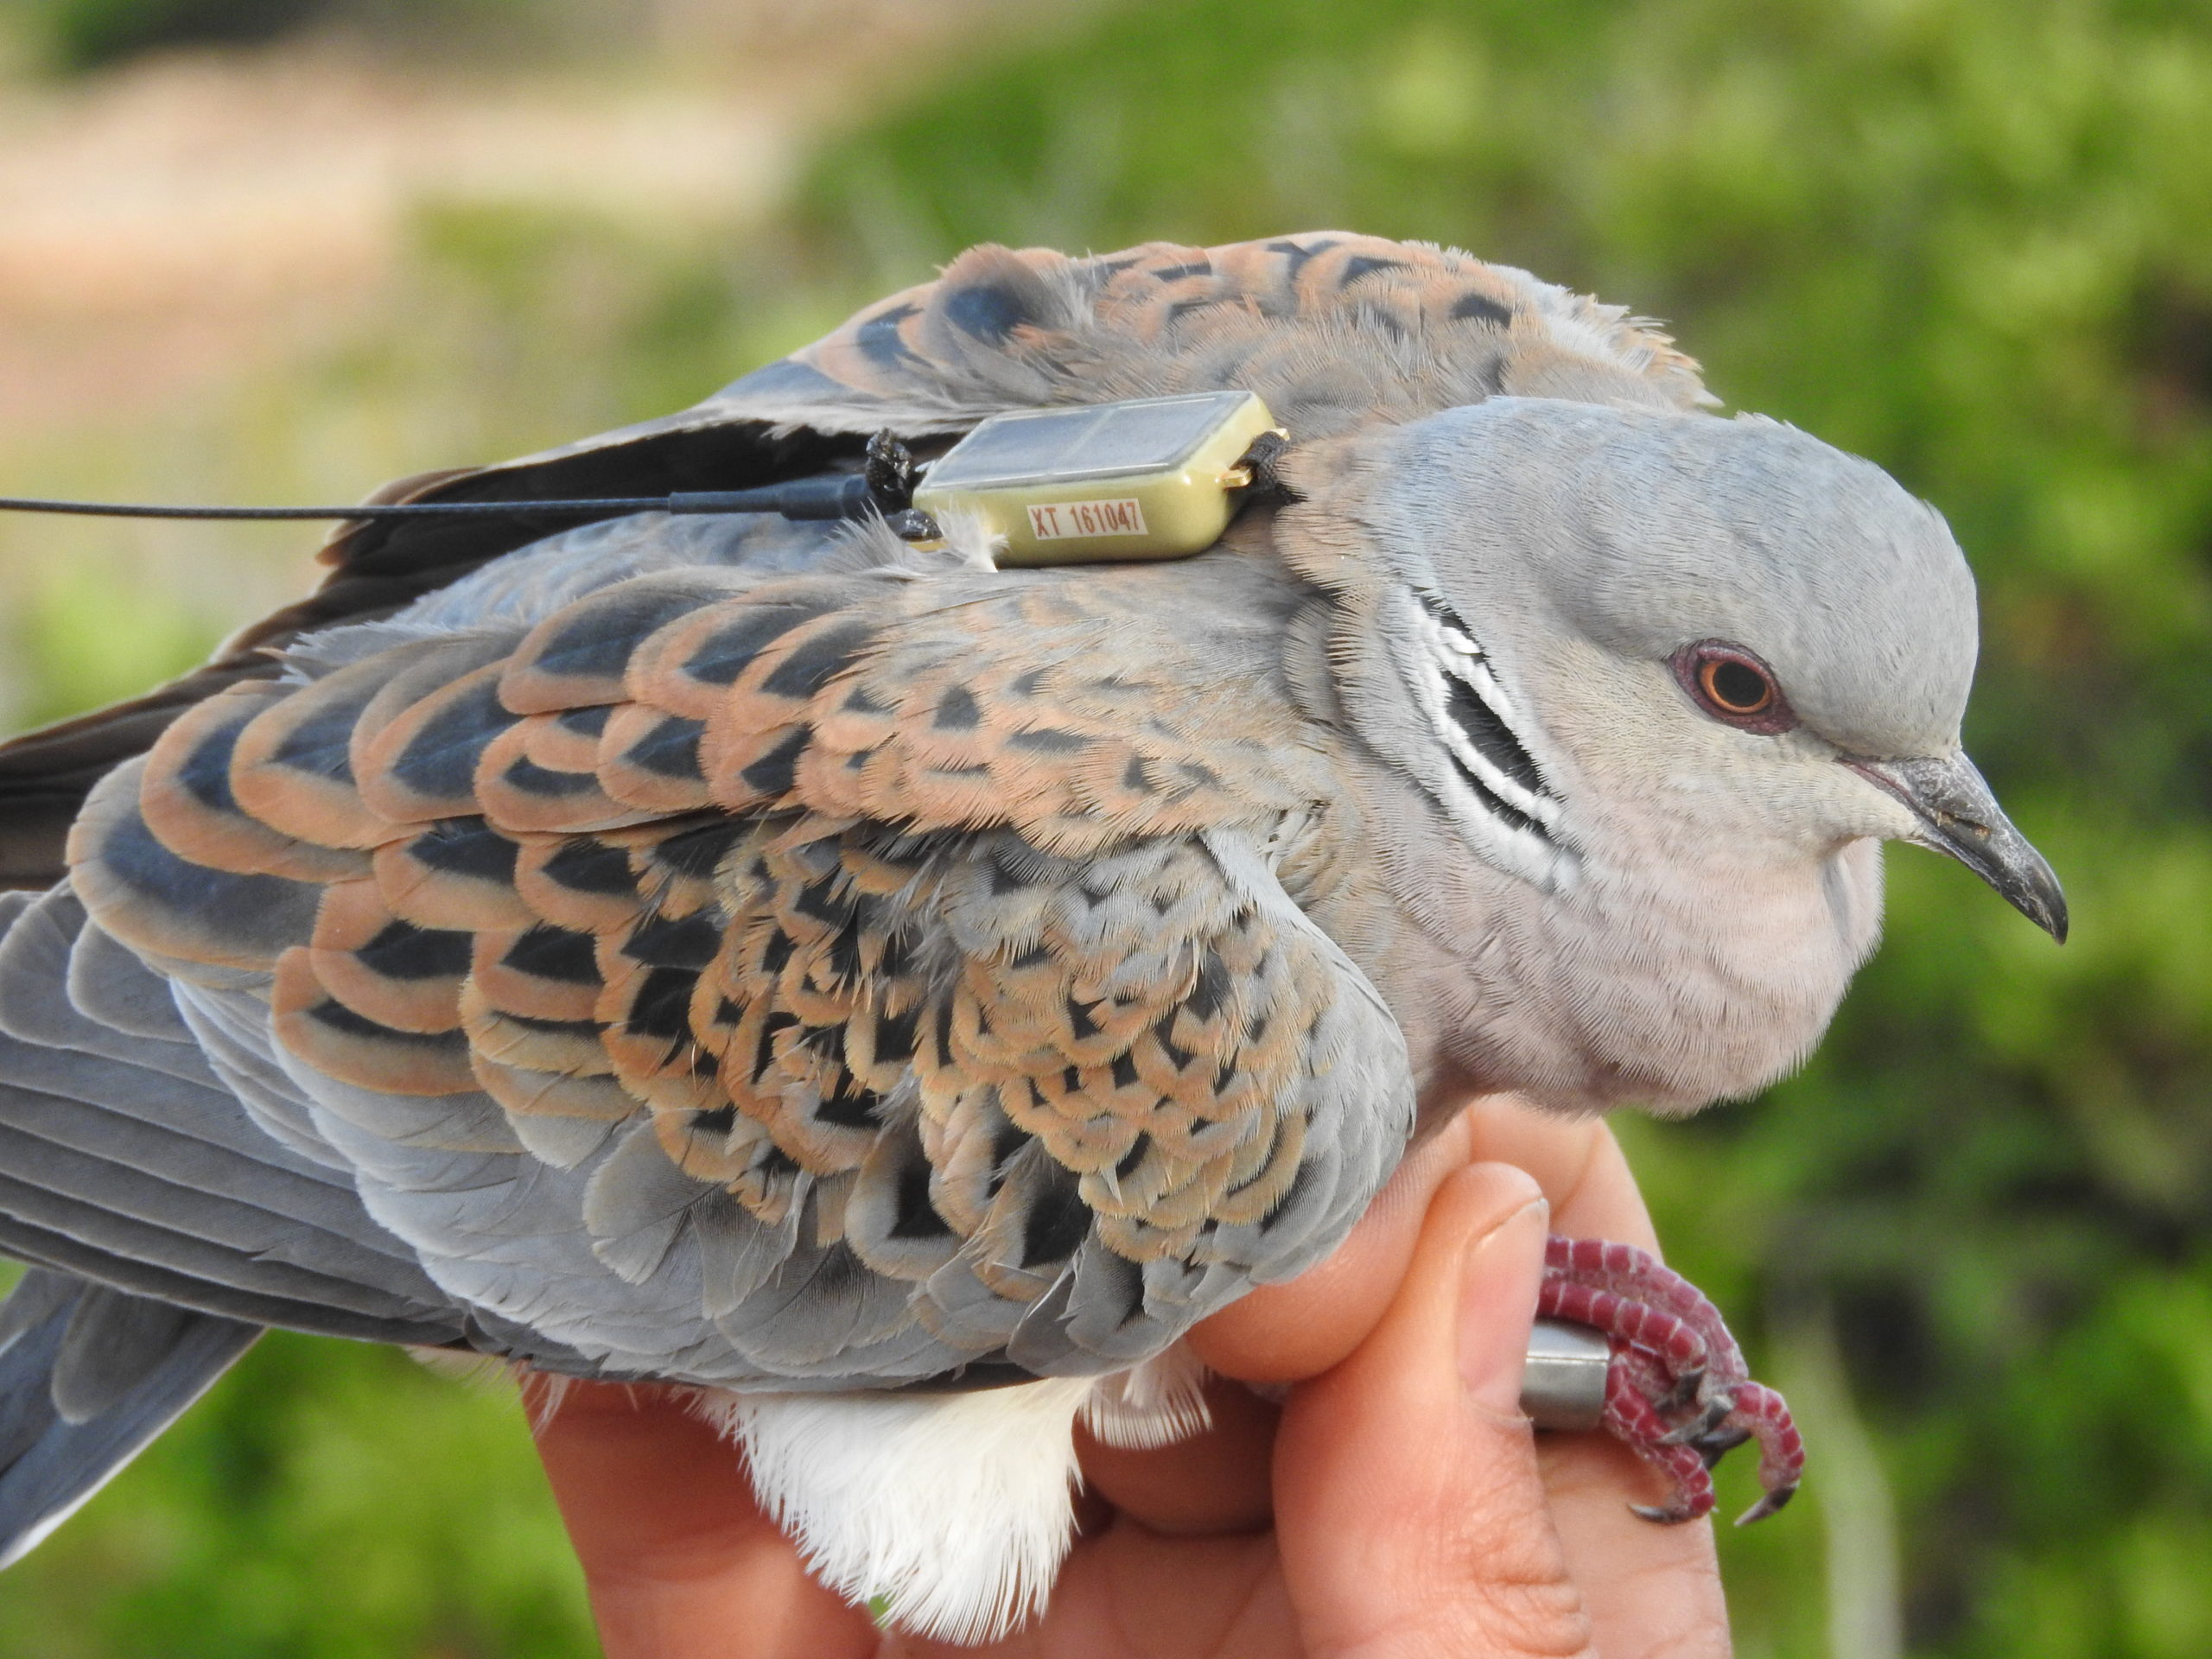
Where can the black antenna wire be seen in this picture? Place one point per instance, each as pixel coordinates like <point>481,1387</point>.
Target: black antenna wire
<point>885,485</point>
<point>845,495</point>
<point>394,510</point>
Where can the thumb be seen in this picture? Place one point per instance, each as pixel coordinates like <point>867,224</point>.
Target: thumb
<point>1408,1509</point>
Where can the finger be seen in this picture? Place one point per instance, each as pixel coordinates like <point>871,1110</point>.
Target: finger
<point>1131,1591</point>
<point>1649,1589</point>
<point>1281,1333</point>
<point>1408,1509</point>
<point>680,1562</point>
<point>1215,1483</point>
<point>1218,1483</point>
<point>1576,1160</point>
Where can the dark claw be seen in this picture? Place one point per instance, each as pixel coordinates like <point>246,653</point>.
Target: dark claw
<point>1718,1445</point>
<point>1767,1505</point>
<point>1700,1427</point>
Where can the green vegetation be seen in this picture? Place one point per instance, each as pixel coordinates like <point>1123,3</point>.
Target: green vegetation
<point>1970,238</point>
<point>76,35</point>
<point>83,34</point>
<point>327,1501</point>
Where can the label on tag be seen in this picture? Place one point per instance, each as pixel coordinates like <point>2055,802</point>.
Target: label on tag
<point>1063,519</point>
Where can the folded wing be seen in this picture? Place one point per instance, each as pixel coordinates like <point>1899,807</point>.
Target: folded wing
<point>842,977</point>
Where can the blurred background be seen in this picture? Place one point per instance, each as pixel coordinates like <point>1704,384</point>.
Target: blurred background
<point>282,250</point>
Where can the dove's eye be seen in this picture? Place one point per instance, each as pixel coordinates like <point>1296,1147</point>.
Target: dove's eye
<point>1731,684</point>
<point>1735,688</point>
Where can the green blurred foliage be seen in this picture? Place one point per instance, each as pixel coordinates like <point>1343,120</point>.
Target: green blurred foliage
<point>80,649</point>
<point>73,36</point>
<point>83,34</point>
<point>1970,238</point>
<point>327,1501</point>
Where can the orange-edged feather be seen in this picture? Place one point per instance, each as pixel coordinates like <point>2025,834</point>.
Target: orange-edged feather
<point>187,800</point>
<point>309,1020</point>
<point>384,969</point>
<point>542,972</point>
<point>579,656</point>
<point>421,765</point>
<point>166,907</point>
<point>454,873</point>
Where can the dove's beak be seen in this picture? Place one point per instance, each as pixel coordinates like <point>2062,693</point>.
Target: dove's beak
<point>1960,817</point>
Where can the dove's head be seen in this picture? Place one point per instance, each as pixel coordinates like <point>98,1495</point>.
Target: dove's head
<point>1672,678</point>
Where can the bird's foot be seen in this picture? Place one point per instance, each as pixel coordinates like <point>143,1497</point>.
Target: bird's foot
<point>1678,1391</point>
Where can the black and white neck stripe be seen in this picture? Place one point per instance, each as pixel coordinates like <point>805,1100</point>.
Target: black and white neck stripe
<point>1495,787</point>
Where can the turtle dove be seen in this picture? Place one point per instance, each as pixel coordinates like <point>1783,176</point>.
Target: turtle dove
<point>896,995</point>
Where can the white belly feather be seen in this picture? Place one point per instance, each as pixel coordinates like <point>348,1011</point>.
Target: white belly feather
<point>951,1511</point>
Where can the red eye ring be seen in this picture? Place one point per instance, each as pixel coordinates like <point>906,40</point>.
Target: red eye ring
<point>1734,687</point>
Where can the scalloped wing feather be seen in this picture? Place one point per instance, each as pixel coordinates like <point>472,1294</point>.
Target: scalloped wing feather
<point>1333,330</point>
<point>868,971</point>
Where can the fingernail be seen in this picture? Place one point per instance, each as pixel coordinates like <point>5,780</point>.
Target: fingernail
<point>1499,1279</point>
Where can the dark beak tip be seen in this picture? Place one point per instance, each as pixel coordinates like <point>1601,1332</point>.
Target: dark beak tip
<point>1961,818</point>
<point>2045,905</point>
<point>2031,887</point>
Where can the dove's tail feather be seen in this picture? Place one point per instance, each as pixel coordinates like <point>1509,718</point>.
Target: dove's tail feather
<point>165,1230</point>
<point>88,1376</point>
<point>127,1160</point>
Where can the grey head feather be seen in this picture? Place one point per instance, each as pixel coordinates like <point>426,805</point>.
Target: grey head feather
<point>1645,531</point>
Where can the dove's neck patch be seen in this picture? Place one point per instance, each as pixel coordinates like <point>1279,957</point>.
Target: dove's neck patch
<point>1493,787</point>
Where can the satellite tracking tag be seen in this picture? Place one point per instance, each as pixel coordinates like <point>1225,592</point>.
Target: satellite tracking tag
<point>1155,478</point>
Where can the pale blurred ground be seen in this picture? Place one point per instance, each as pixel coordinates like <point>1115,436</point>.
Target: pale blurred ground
<point>175,223</point>
<point>274,274</point>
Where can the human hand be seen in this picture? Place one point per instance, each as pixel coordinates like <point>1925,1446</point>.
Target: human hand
<point>1396,1502</point>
